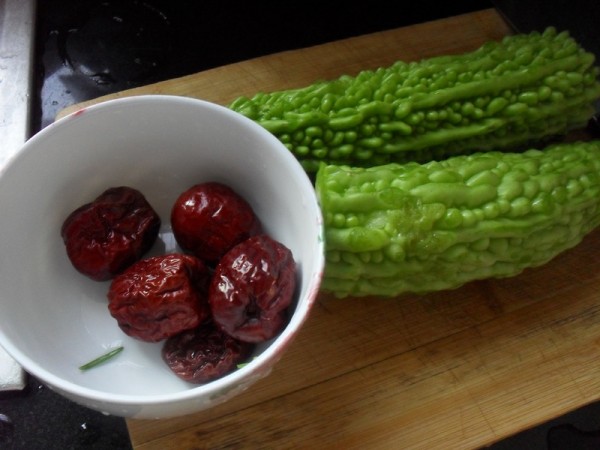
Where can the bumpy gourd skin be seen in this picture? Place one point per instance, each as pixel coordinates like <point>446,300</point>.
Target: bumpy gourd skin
<point>505,95</point>
<point>416,228</point>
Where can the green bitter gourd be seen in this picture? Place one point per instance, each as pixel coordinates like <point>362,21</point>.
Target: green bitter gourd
<point>422,227</point>
<point>504,95</point>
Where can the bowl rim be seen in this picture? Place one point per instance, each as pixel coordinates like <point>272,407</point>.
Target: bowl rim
<point>263,362</point>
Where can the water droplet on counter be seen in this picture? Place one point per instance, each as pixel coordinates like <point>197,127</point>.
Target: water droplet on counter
<point>88,433</point>
<point>102,78</point>
<point>40,388</point>
<point>7,428</point>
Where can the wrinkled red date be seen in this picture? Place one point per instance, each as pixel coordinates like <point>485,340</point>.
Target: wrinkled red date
<point>160,296</point>
<point>105,236</point>
<point>210,320</point>
<point>251,289</point>
<point>204,353</point>
<point>210,218</point>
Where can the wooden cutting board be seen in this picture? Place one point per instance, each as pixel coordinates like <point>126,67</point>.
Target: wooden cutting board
<point>454,369</point>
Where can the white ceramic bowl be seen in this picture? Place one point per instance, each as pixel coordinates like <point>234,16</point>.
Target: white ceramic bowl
<point>53,319</point>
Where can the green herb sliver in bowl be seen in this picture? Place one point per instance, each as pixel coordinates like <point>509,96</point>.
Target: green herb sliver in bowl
<point>101,359</point>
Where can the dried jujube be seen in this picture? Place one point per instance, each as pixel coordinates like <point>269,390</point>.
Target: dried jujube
<point>208,219</point>
<point>252,288</point>
<point>107,235</point>
<point>208,319</point>
<point>160,296</point>
<point>204,353</point>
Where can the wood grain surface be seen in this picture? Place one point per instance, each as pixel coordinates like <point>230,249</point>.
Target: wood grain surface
<point>449,370</point>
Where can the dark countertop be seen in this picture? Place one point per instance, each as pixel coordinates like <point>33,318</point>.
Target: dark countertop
<point>90,48</point>
<point>37,418</point>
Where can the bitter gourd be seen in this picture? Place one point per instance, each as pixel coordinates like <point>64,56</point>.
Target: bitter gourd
<point>504,95</point>
<point>422,227</point>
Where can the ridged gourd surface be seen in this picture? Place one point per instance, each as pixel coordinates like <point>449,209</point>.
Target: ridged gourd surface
<point>416,227</point>
<point>503,96</point>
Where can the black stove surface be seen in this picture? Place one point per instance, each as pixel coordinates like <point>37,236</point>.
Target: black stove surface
<point>90,48</point>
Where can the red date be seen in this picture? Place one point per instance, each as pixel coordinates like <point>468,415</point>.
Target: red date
<point>210,218</point>
<point>251,289</point>
<point>161,296</point>
<point>105,236</point>
<point>204,353</point>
